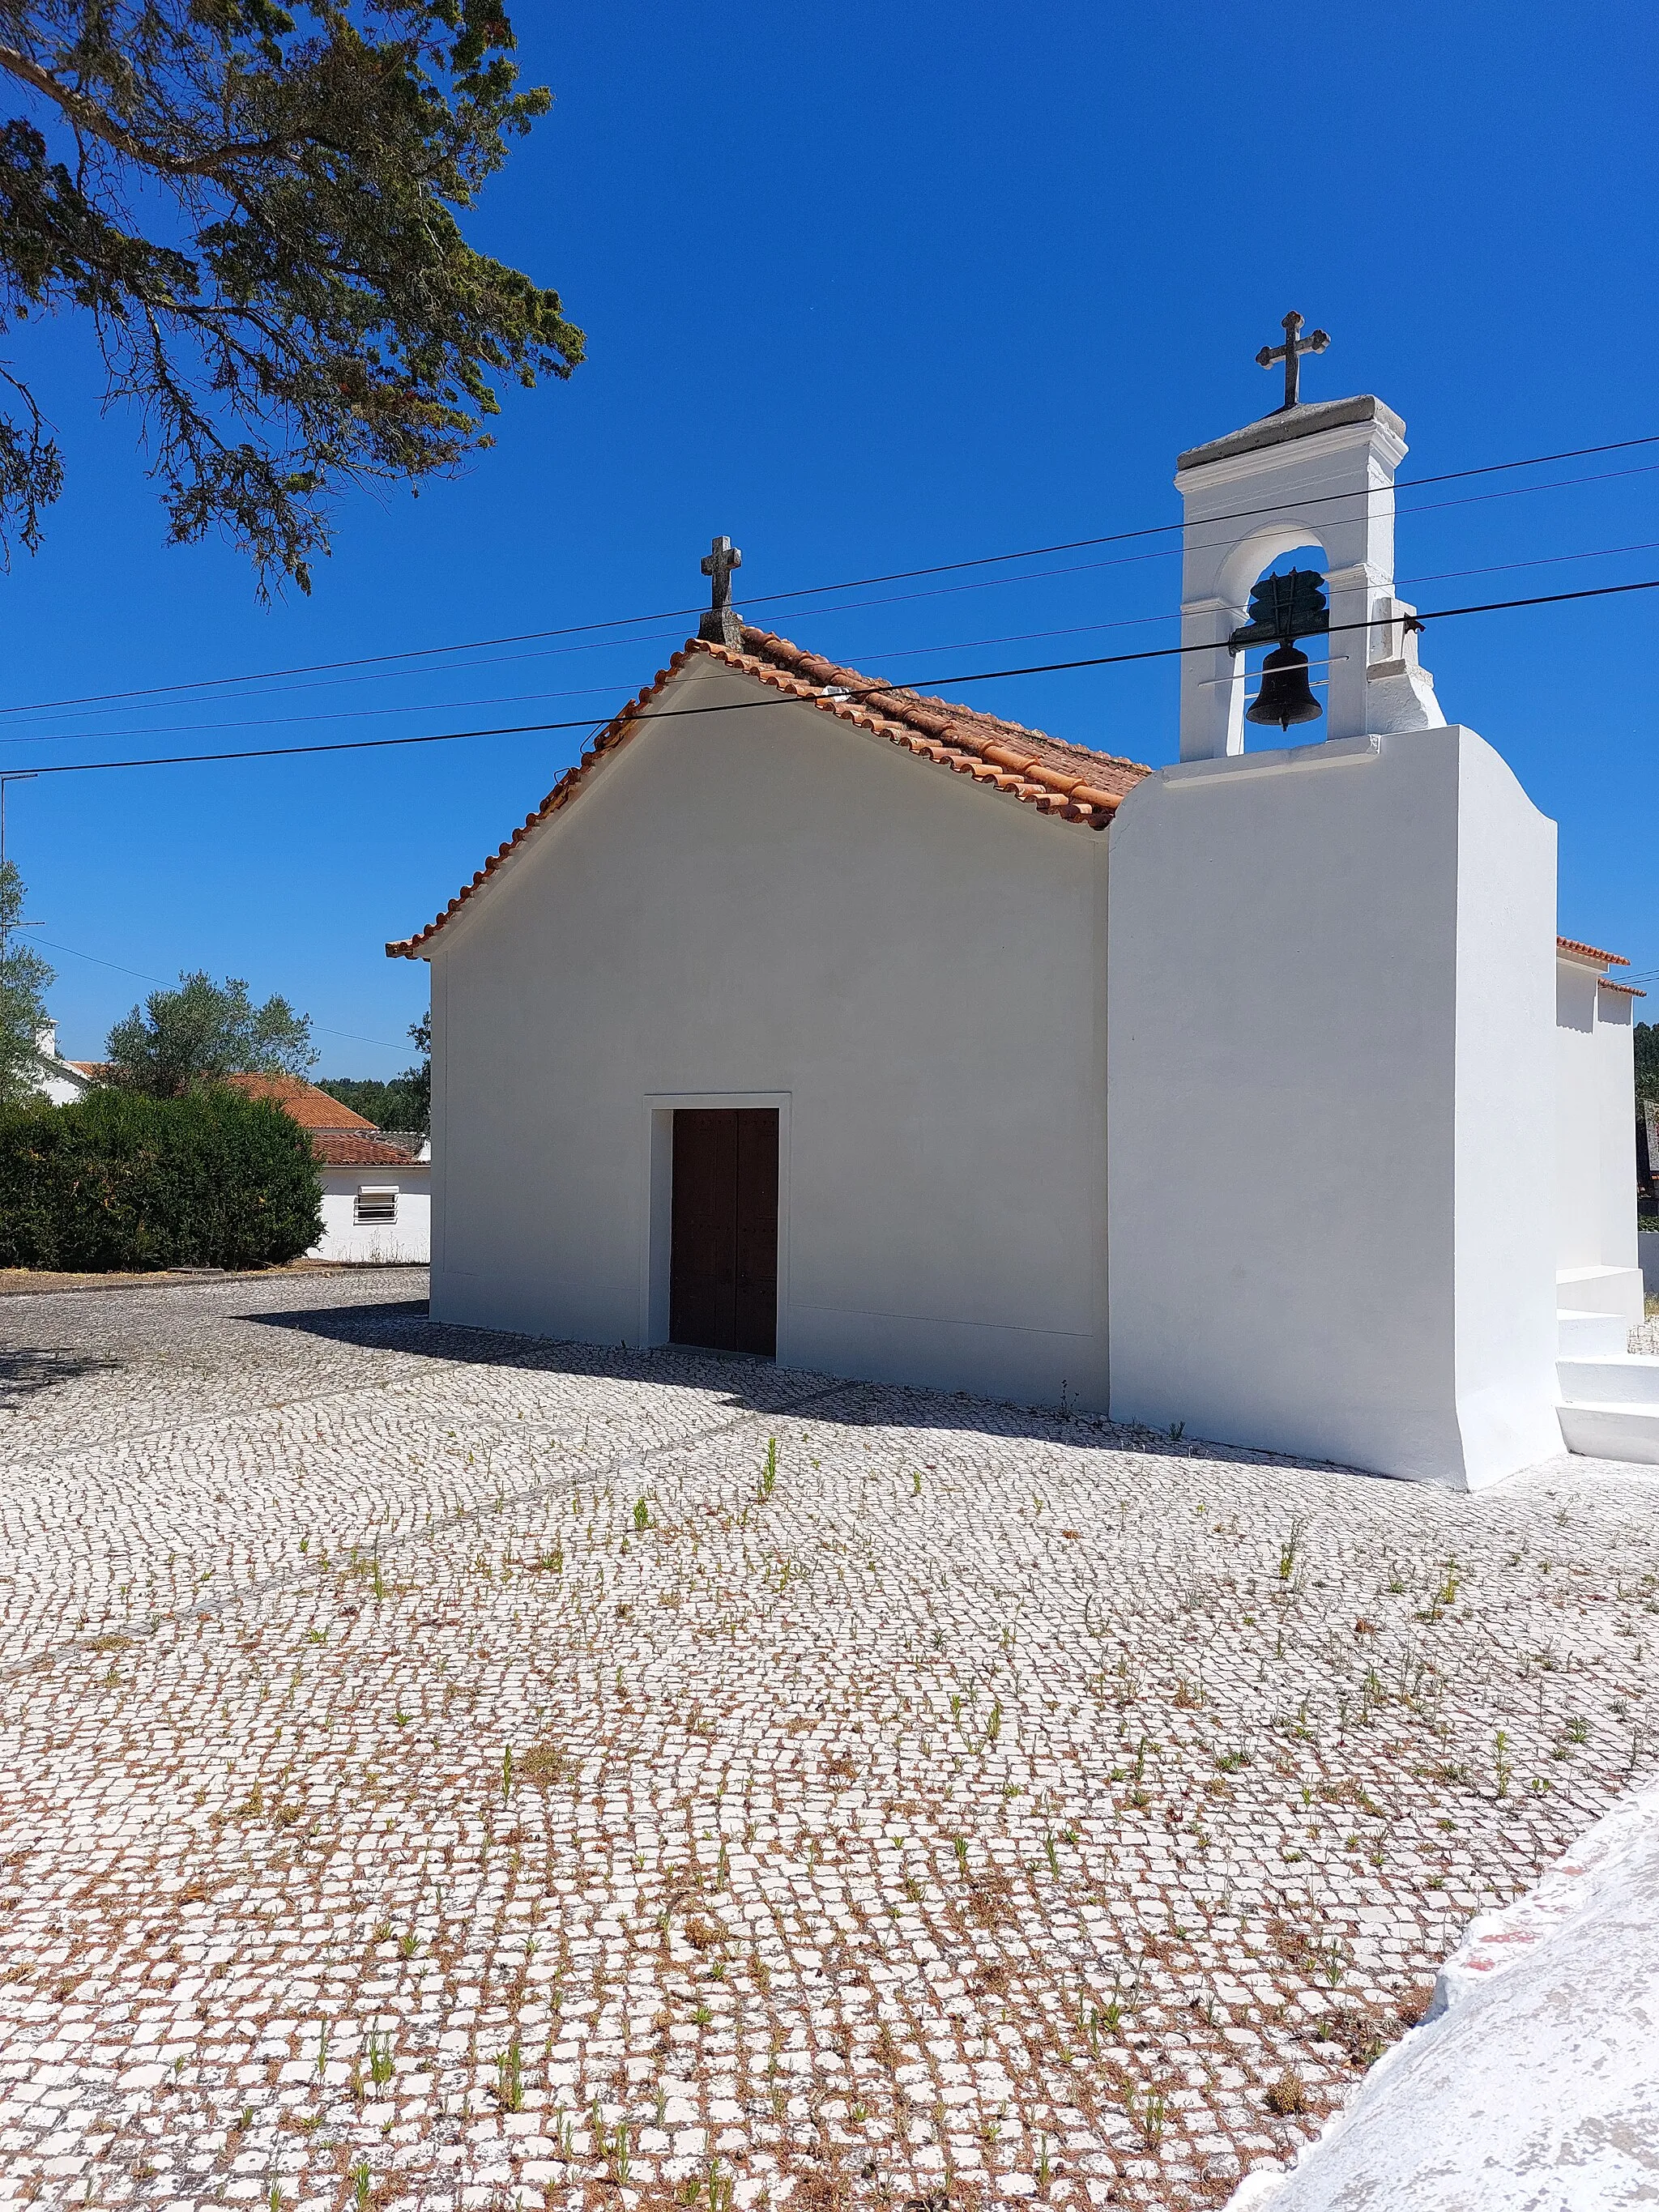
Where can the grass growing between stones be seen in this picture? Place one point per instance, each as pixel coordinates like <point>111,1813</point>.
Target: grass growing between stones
<point>966,1805</point>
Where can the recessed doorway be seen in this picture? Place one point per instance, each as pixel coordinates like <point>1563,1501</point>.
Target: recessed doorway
<point>723,1255</point>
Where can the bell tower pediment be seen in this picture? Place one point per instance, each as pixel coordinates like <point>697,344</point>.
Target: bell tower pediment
<point>1320,473</point>
<point>1301,421</point>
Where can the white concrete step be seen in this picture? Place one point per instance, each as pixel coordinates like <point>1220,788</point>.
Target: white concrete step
<point>1626,1431</point>
<point>1602,1290</point>
<point>1588,1336</point>
<point>1624,1379</point>
<point>1610,1403</point>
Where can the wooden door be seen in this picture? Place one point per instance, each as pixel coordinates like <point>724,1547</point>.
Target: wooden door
<point>723,1260</point>
<point>757,1230</point>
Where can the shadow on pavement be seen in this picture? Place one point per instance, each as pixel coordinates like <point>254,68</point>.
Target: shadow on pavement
<point>744,1384</point>
<point>25,1371</point>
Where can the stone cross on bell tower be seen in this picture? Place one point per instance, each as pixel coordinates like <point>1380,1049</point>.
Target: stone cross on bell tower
<point>1321,474</point>
<point>721,624</point>
<point>1290,354</point>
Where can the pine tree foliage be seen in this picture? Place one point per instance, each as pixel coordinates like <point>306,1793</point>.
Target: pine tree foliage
<point>401,1103</point>
<point>256,211</point>
<point>24,977</point>
<point>1647,1060</point>
<point>405,1102</point>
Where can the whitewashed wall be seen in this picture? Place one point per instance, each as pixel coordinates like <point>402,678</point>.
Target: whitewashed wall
<point>56,1079</point>
<point>378,1243</point>
<point>1352,947</point>
<point>1595,1139</point>
<point>771,905</point>
<point>58,1083</point>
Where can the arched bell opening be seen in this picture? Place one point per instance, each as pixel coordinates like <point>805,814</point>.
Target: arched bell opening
<point>1312,489</point>
<point>1280,646</point>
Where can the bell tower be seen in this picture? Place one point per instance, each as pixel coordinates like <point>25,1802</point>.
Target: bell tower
<point>1319,472</point>
<point>1352,943</point>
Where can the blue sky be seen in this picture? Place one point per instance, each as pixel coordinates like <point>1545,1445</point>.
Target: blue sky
<point>872,288</point>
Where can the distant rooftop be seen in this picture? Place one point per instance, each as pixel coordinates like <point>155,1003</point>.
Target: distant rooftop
<point>303,1101</point>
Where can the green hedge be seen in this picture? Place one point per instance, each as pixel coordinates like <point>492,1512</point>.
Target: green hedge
<point>117,1180</point>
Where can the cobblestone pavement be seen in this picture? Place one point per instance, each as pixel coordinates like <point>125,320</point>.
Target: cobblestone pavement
<point>442,1769</point>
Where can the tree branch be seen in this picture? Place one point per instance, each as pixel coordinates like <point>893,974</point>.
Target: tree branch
<point>311,314</point>
<point>87,115</point>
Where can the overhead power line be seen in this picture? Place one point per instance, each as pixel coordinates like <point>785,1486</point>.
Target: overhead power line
<point>1240,515</point>
<point>122,706</point>
<point>861,691</point>
<point>862,583</point>
<point>98,961</point>
<point>609,690</point>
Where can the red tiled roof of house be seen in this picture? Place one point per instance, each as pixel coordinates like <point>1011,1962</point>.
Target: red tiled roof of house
<point>311,1107</point>
<point>1590,952</point>
<point>344,1148</point>
<point>1070,783</point>
<point>1625,990</point>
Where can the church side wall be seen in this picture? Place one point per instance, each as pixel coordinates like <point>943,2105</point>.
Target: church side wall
<point>1615,1032</point>
<point>1578,1117</point>
<point>768,905</point>
<point>1595,1125</point>
<point>1285,940</point>
<point>1506,1228</point>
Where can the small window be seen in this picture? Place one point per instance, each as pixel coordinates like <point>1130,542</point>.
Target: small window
<point>376,1204</point>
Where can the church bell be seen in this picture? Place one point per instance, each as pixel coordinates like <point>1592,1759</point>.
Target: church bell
<point>1285,696</point>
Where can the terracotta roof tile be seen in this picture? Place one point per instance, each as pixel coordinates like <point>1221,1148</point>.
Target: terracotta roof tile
<point>1590,952</point>
<point>1625,990</point>
<point>1070,783</point>
<point>344,1148</point>
<point>311,1107</point>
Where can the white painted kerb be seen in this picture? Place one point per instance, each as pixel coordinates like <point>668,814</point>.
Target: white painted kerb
<point>1532,2087</point>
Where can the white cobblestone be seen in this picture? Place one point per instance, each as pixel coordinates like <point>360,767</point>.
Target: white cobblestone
<point>1001,1805</point>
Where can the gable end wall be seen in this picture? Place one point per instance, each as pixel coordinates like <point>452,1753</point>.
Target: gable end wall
<point>767,903</point>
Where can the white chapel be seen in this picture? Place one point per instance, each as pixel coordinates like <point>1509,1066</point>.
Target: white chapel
<point>821,1022</point>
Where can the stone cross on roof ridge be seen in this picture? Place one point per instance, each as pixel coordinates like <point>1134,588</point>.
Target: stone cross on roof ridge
<point>721,624</point>
<point>1290,354</point>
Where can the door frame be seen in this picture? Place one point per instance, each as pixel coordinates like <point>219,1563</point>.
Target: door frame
<point>660,1109</point>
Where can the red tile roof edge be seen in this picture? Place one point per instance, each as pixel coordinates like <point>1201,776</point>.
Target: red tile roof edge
<point>302,1102</point>
<point>345,1148</point>
<point>1071,782</point>
<point>315,1109</point>
<point>1590,952</point>
<point>1625,990</point>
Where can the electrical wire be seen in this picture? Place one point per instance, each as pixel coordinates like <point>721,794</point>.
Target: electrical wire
<point>1164,553</point>
<point>862,691</point>
<point>75,953</point>
<point>898,598</point>
<point>961,645</point>
<point>341,715</point>
<point>897,576</point>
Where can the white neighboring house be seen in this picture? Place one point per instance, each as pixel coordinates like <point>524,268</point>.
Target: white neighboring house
<point>820,1021</point>
<point>59,1081</point>
<point>377,1194</point>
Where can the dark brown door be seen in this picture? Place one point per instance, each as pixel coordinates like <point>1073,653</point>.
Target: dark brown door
<point>723,1262</point>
